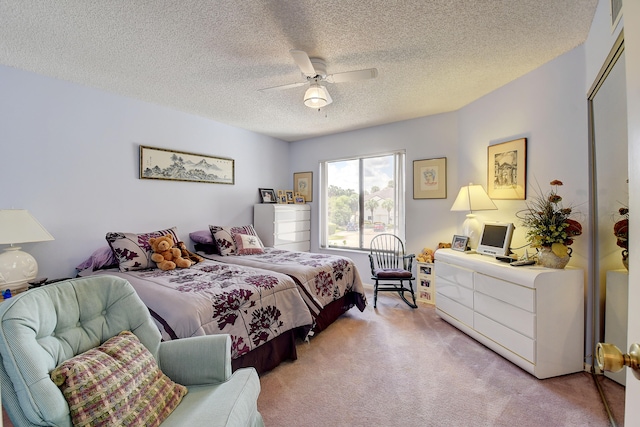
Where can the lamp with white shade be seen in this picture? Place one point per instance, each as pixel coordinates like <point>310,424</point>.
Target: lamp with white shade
<point>472,198</point>
<point>18,268</point>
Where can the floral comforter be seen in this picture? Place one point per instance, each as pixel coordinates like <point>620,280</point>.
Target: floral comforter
<point>321,278</point>
<point>252,305</point>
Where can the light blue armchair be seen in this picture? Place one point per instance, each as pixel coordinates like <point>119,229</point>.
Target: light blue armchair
<point>43,327</point>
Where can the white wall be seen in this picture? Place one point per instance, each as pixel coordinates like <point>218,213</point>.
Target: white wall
<point>69,155</point>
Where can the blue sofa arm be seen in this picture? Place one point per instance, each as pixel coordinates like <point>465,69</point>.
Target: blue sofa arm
<point>196,360</point>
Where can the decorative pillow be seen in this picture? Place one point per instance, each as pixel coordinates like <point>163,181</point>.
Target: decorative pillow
<point>117,384</point>
<point>100,258</point>
<point>133,251</point>
<point>223,237</point>
<point>247,244</point>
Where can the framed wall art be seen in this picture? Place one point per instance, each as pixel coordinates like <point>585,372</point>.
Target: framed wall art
<point>430,178</point>
<point>507,170</point>
<point>303,185</point>
<point>172,165</point>
<point>268,195</point>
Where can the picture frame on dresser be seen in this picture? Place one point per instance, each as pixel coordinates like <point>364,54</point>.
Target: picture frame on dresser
<point>459,243</point>
<point>267,195</point>
<point>289,194</point>
<point>303,185</point>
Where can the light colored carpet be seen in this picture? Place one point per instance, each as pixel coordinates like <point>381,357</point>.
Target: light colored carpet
<point>400,367</point>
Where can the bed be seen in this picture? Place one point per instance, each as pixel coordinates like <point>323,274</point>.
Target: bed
<point>330,285</point>
<point>262,310</point>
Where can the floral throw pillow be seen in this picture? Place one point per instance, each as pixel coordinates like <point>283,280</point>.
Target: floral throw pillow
<point>133,251</point>
<point>223,236</point>
<point>247,244</point>
<point>117,384</point>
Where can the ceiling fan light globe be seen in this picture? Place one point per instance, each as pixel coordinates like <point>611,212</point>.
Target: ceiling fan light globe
<point>315,97</point>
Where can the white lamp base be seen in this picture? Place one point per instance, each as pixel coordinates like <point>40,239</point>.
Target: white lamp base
<point>471,228</point>
<point>17,269</point>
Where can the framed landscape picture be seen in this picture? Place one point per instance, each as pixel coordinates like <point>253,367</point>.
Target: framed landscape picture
<point>430,178</point>
<point>507,170</point>
<point>172,165</point>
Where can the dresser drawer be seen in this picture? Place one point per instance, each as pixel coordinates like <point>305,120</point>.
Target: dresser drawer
<point>453,309</point>
<point>458,275</point>
<point>520,320</point>
<point>508,338</point>
<point>511,293</point>
<point>285,238</point>
<point>292,215</point>
<point>455,292</point>
<point>291,226</point>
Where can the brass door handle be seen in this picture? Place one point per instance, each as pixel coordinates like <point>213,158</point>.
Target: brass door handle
<point>611,359</point>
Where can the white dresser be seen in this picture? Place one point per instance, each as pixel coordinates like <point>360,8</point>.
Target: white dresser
<point>531,315</point>
<point>283,226</point>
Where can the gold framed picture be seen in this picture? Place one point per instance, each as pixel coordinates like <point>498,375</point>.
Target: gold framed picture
<point>299,199</point>
<point>289,194</point>
<point>303,185</point>
<point>507,170</point>
<point>430,178</point>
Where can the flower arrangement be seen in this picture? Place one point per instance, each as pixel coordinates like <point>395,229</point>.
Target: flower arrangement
<point>548,222</point>
<point>621,228</point>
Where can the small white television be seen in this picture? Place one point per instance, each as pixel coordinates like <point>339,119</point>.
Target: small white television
<point>495,239</point>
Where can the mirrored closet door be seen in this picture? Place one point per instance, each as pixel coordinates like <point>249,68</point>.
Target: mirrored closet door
<point>609,178</point>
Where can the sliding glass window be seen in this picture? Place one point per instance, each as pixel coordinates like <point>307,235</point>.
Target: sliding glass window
<point>361,197</point>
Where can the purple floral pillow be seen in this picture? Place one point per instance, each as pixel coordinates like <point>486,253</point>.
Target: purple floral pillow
<point>133,251</point>
<point>223,235</point>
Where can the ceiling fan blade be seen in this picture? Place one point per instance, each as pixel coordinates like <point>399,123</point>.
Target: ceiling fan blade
<point>304,63</point>
<point>352,76</point>
<point>289,86</point>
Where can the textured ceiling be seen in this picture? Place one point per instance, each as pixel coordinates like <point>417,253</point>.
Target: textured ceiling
<point>210,57</point>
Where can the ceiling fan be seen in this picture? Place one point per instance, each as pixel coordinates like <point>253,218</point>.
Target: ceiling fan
<point>315,72</point>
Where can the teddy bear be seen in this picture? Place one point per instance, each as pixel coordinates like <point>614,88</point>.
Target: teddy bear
<point>425,256</point>
<point>194,258</point>
<point>165,255</point>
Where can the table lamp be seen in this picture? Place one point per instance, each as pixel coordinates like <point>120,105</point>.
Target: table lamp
<point>18,268</point>
<point>472,198</point>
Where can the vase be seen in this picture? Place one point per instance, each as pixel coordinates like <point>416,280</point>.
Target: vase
<point>547,258</point>
<point>625,259</point>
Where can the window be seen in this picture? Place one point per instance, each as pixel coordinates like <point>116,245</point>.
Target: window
<point>361,197</point>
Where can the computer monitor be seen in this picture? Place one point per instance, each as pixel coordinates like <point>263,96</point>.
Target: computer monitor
<point>496,238</point>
